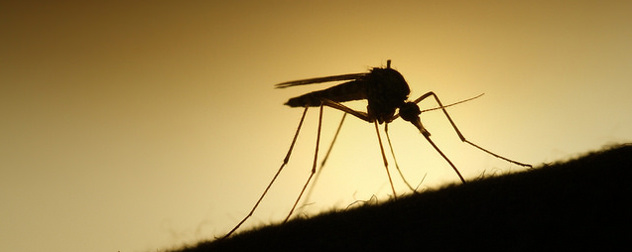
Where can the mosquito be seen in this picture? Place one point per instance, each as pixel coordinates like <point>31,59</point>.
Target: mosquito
<point>387,93</point>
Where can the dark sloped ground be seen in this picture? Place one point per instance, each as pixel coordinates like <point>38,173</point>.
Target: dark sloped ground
<point>579,204</point>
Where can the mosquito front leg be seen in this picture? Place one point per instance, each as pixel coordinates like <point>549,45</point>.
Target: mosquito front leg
<point>285,161</point>
<point>458,132</point>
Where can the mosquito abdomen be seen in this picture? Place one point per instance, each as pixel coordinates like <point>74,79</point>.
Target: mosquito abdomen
<point>348,91</point>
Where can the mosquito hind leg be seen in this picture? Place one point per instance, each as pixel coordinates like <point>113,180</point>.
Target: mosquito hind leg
<point>322,163</point>
<point>458,132</point>
<point>311,174</point>
<point>333,141</point>
<point>285,161</point>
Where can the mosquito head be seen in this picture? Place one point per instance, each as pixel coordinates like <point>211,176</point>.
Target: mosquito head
<point>409,111</point>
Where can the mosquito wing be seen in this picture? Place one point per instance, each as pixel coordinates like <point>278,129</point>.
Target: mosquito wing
<point>321,80</point>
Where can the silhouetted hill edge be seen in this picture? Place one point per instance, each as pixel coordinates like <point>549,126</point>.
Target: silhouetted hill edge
<point>579,204</point>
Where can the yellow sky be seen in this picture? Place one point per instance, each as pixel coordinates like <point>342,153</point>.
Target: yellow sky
<point>133,127</point>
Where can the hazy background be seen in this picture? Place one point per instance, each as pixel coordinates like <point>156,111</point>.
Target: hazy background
<point>134,127</point>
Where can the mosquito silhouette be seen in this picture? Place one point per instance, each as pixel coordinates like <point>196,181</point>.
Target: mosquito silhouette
<point>387,94</point>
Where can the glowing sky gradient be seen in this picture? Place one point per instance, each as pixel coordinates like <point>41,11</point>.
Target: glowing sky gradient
<point>135,127</point>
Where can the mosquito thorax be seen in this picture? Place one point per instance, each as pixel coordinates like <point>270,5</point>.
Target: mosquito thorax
<point>386,90</point>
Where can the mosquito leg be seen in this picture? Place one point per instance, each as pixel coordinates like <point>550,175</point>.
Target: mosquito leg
<point>379,139</point>
<point>331,146</point>
<point>388,139</point>
<point>285,161</point>
<point>458,132</point>
<point>322,163</point>
<point>365,117</point>
<point>320,122</point>
<point>359,114</point>
<point>420,182</point>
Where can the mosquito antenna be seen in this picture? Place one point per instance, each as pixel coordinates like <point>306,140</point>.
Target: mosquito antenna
<point>388,63</point>
<point>441,106</point>
<point>452,104</point>
<point>458,132</point>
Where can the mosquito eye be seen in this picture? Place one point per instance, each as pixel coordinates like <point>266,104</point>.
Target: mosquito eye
<point>409,111</point>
